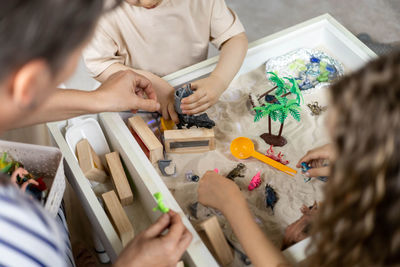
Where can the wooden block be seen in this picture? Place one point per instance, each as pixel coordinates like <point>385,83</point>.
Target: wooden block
<point>118,217</point>
<point>217,240</point>
<point>119,178</point>
<point>194,140</point>
<point>147,137</point>
<point>90,162</point>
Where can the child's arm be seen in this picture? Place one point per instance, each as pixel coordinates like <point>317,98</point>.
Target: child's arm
<point>164,91</point>
<point>208,90</point>
<point>123,91</point>
<point>223,194</point>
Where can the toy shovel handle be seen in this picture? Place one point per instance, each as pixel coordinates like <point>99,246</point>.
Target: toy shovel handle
<point>274,163</point>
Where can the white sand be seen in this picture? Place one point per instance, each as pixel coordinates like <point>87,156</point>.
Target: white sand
<point>234,118</point>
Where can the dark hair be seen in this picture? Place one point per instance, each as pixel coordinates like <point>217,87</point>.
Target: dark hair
<point>46,29</point>
<point>359,221</point>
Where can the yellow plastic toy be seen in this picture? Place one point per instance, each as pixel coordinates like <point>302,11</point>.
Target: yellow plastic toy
<point>243,148</point>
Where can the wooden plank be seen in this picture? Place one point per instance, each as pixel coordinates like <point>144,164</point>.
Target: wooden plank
<point>119,178</point>
<point>148,138</point>
<point>194,140</point>
<point>90,162</point>
<point>118,217</point>
<point>217,240</point>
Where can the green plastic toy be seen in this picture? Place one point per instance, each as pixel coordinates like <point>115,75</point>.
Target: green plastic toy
<point>280,107</point>
<point>160,204</point>
<point>5,166</point>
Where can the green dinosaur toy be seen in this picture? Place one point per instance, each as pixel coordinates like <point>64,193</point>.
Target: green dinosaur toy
<point>160,204</point>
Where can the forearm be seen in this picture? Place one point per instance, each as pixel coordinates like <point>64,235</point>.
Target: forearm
<point>63,104</point>
<point>231,58</point>
<point>257,247</point>
<point>154,79</point>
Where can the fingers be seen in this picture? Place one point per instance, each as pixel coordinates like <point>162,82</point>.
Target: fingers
<point>198,109</point>
<point>311,155</point>
<point>199,94</point>
<point>315,172</point>
<point>147,104</point>
<point>172,112</point>
<point>144,84</point>
<point>184,242</point>
<point>176,228</point>
<point>158,227</point>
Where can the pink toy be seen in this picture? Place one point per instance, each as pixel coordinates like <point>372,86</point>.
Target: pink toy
<point>255,181</point>
<point>279,158</point>
<point>216,170</point>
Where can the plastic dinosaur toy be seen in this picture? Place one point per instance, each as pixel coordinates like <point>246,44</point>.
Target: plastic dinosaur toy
<point>201,120</point>
<point>316,109</point>
<point>270,197</point>
<point>255,181</point>
<point>237,171</point>
<point>160,204</point>
<point>271,154</point>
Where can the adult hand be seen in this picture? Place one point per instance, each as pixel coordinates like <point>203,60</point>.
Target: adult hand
<point>219,192</point>
<point>127,90</point>
<point>207,93</point>
<point>150,248</point>
<point>315,158</point>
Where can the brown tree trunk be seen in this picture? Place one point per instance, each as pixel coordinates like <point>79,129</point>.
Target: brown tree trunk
<point>266,93</point>
<point>269,124</point>
<point>286,94</point>
<point>280,130</point>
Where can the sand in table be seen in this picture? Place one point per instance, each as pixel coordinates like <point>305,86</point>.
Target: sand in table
<point>234,118</point>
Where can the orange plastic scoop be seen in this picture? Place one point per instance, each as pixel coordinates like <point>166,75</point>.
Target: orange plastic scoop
<point>243,148</point>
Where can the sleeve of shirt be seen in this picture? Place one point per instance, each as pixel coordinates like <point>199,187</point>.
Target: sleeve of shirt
<point>224,23</point>
<point>101,52</point>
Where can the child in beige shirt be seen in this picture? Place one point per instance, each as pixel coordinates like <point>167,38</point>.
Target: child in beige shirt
<point>158,37</point>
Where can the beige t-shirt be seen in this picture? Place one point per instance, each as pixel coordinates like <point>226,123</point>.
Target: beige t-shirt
<point>174,35</point>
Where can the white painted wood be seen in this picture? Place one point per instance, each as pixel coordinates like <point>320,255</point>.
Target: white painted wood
<point>323,31</point>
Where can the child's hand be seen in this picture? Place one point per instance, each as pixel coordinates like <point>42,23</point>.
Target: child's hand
<point>207,93</point>
<point>314,157</point>
<point>165,94</point>
<point>218,192</point>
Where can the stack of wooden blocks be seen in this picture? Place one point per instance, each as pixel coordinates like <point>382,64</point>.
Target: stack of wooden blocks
<point>94,170</point>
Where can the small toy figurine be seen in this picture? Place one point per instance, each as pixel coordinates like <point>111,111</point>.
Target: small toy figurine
<point>160,204</point>
<point>236,172</point>
<point>316,109</point>
<point>279,158</point>
<point>255,181</point>
<point>201,120</point>
<point>191,177</point>
<point>299,230</point>
<point>167,167</point>
<point>270,197</point>
<point>305,167</point>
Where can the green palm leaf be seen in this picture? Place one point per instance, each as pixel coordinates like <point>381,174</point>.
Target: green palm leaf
<point>295,90</point>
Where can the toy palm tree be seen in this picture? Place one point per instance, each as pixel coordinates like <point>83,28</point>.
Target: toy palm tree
<point>279,110</point>
<point>280,85</point>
